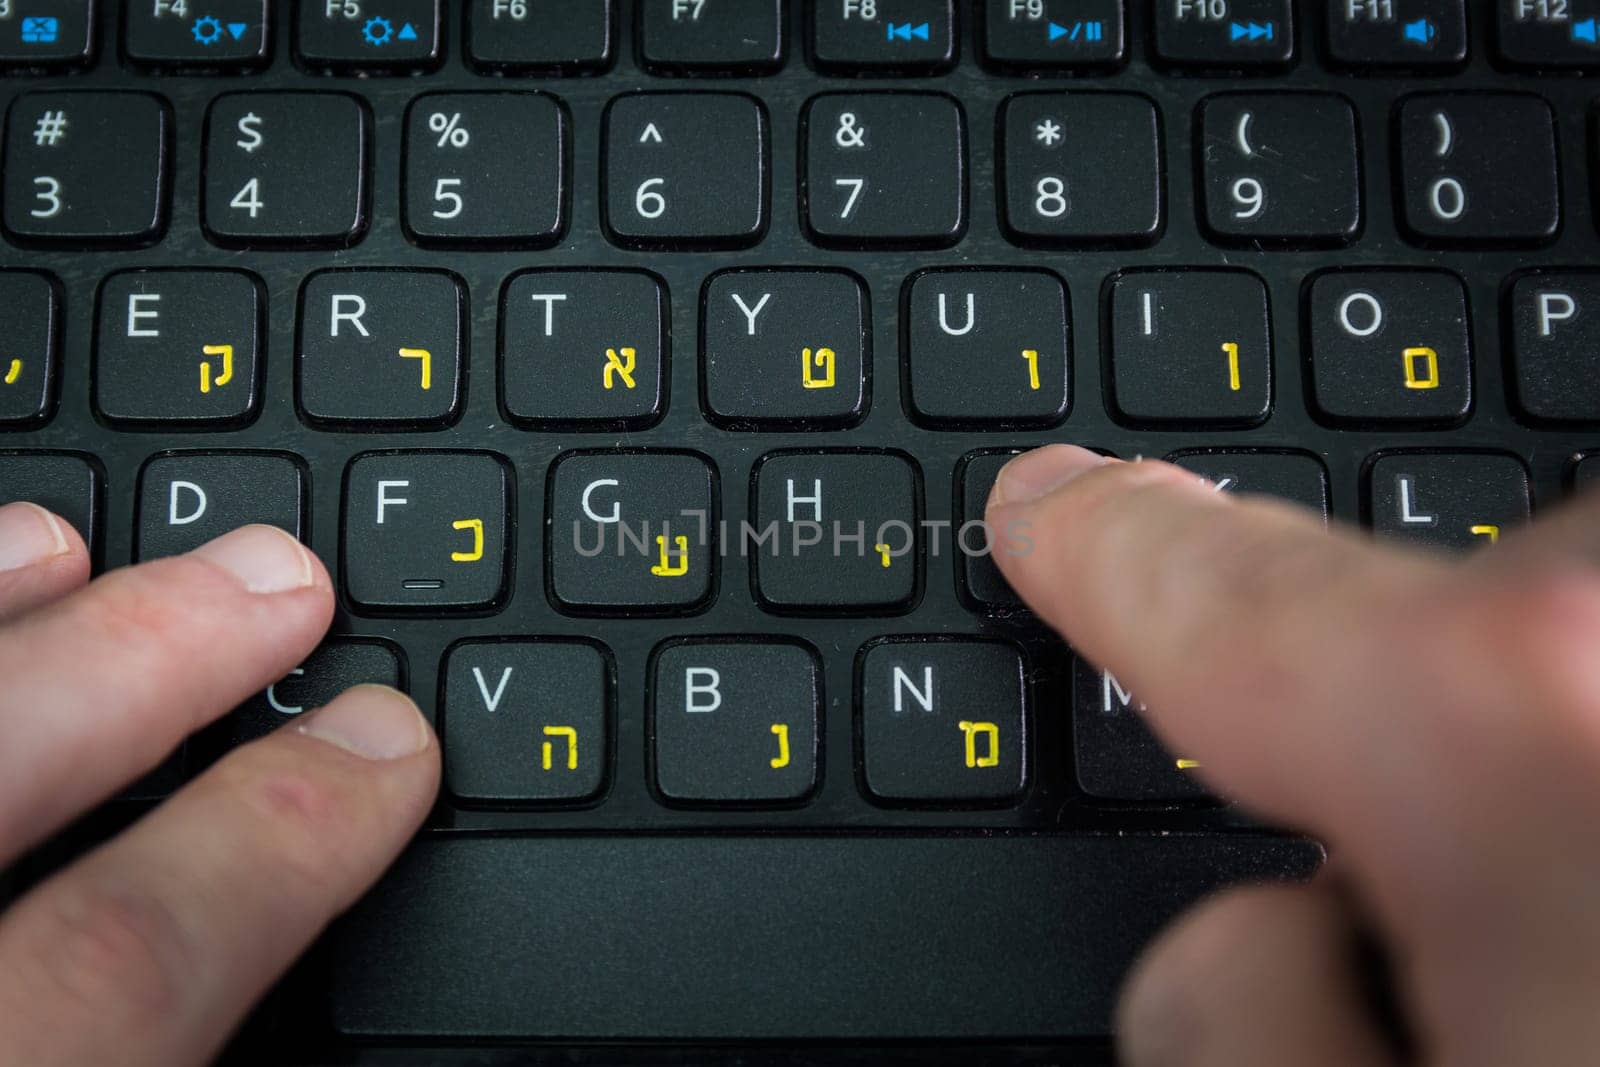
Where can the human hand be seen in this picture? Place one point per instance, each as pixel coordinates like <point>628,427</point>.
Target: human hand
<point>1434,721</point>
<point>151,948</point>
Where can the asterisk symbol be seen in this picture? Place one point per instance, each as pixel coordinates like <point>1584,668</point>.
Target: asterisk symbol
<point>1047,132</point>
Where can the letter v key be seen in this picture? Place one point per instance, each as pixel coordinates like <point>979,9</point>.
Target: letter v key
<point>490,703</point>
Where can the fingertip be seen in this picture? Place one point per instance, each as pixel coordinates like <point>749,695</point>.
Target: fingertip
<point>374,722</point>
<point>31,535</point>
<point>265,560</point>
<point>1042,470</point>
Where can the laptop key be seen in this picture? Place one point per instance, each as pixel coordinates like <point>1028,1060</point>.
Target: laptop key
<point>526,721</point>
<point>1447,499</point>
<point>1298,477</point>
<point>1390,347</point>
<point>842,532</point>
<point>883,36</point>
<point>1403,34</point>
<point>1585,473</point>
<point>62,482</point>
<point>884,169</point>
<point>87,167</point>
<point>1115,755</point>
<point>426,531</point>
<point>335,665</point>
<point>1030,35</point>
<point>584,350</point>
<point>381,348</point>
<point>979,581</point>
<point>735,722</point>
<point>1547,34</point>
<point>221,34</point>
<point>179,347</point>
<point>286,168</point>
<point>1257,151</point>
<point>943,720</point>
<point>1248,35</point>
<point>1555,345</point>
<point>541,36</point>
<point>189,498</point>
<point>711,36</point>
<point>963,328</point>
<point>785,349</point>
<point>345,35</point>
<point>686,169</point>
<point>1081,169</point>
<point>30,341</point>
<point>631,532</point>
<point>1453,151</point>
<point>1190,347</point>
<point>486,167</point>
<point>47,34</point>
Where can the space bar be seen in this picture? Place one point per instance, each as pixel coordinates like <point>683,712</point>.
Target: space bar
<point>714,937</point>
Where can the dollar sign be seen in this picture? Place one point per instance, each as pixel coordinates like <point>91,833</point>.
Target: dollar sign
<point>250,126</point>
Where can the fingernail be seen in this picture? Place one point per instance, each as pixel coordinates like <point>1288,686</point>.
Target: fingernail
<point>372,721</point>
<point>264,558</point>
<point>28,535</point>
<point>1033,474</point>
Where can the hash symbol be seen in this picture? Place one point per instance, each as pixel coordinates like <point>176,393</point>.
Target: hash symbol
<point>51,127</point>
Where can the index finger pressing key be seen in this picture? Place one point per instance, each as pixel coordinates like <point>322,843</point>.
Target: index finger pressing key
<point>1267,649</point>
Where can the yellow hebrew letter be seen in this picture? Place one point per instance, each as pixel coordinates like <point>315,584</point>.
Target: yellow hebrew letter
<point>824,360</point>
<point>427,364</point>
<point>1428,359</point>
<point>225,375</point>
<point>622,364</point>
<point>476,526</point>
<point>781,730</point>
<point>572,746</point>
<point>1032,356</point>
<point>971,730</point>
<point>14,372</point>
<point>668,567</point>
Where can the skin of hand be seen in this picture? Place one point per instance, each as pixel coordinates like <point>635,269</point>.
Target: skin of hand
<point>1434,720</point>
<point>151,948</point>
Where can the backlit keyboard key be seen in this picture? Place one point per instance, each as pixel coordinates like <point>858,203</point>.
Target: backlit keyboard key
<point>943,720</point>
<point>988,347</point>
<point>885,169</point>
<point>1555,345</point>
<point>286,168</point>
<point>735,722</point>
<point>66,483</point>
<point>883,36</point>
<point>1248,35</point>
<point>1404,34</point>
<point>843,531</point>
<point>1448,499</point>
<point>1115,755</point>
<point>541,36</point>
<point>381,348</point>
<point>426,531</point>
<point>1029,35</point>
<point>1298,477</point>
<point>1190,347</point>
<point>179,347</point>
<point>223,34</point>
<point>1478,168</point>
<point>686,169</point>
<point>47,34</point>
<point>785,348</point>
<point>632,532</point>
<point>722,36</point>
<point>526,721</point>
<point>399,36</point>
<point>584,349</point>
<point>189,498</point>
<point>30,340</point>
<point>1390,346</point>
<point>1548,34</point>
<point>87,167</point>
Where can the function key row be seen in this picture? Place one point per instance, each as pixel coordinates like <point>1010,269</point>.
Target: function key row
<point>843,36</point>
<point>687,170</point>
<point>790,349</point>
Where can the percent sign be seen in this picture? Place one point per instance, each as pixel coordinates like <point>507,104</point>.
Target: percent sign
<point>449,129</point>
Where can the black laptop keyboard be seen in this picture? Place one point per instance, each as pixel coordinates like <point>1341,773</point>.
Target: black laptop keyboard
<point>640,372</point>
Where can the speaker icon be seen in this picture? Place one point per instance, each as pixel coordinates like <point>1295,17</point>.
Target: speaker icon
<point>1420,31</point>
<point>1584,31</point>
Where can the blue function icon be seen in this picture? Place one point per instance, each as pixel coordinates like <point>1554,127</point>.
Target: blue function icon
<point>1082,30</point>
<point>1419,31</point>
<point>905,31</point>
<point>1248,32</point>
<point>40,29</point>
<point>379,31</point>
<point>1585,31</point>
<point>208,30</point>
